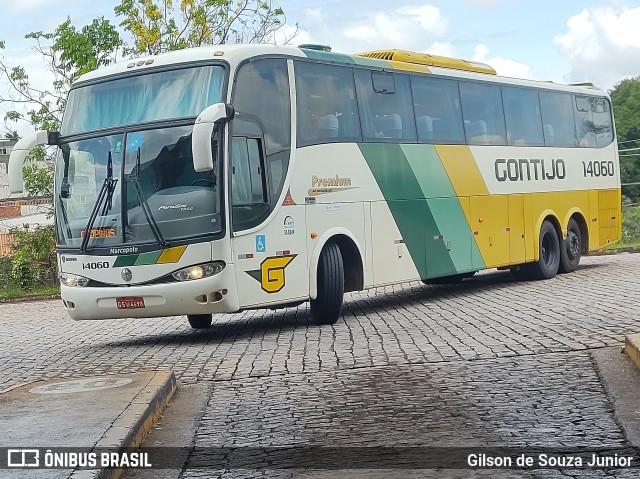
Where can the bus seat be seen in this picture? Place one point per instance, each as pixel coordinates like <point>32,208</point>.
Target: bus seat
<point>425,127</point>
<point>549,137</point>
<point>328,126</point>
<point>476,130</point>
<point>390,126</point>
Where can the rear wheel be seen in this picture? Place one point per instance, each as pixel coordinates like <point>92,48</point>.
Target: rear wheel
<point>571,248</point>
<point>325,309</point>
<point>549,252</point>
<point>200,321</point>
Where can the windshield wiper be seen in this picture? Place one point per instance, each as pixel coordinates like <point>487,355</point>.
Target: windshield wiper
<point>145,205</point>
<point>105,196</point>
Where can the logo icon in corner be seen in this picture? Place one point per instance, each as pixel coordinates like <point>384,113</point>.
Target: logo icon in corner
<point>126,274</point>
<point>271,273</point>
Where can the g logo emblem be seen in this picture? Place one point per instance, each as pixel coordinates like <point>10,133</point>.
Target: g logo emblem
<point>271,273</point>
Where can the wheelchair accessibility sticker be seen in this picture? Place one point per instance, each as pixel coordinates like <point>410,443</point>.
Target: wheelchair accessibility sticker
<point>271,273</point>
<point>261,244</point>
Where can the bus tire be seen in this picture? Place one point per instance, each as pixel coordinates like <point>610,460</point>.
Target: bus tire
<point>325,309</point>
<point>571,248</point>
<point>549,253</point>
<point>200,321</point>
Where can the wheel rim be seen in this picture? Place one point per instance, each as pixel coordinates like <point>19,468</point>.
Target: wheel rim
<point>573,245</point>
<point>549,252</point>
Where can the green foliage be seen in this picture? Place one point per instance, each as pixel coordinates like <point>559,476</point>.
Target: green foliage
<point>34,259</point>
<point>625,97</point>
<point>6,267</point>
<point>24,274</point>
<point>164,25</point>
<point>68,52</point>
<point>38,173</point>
<point>630,223</point>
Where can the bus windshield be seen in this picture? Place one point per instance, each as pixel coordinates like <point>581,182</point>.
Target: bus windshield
<point>157,197</point>
<point>153,193</point>
<point>162,95</point>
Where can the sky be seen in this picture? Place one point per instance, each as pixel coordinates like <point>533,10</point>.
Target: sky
<point>563,41</point>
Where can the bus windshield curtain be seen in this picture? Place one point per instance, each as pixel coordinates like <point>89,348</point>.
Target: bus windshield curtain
<point>151,97</point>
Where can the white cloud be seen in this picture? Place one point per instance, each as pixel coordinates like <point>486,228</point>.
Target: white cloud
<point>485,4</point>
<point>602,45</point>
<point>419,29</point>
<point>502,66</point>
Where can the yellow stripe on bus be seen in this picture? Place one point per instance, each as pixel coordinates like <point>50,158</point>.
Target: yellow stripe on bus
<point>462,169</point>
<point>171,255</point>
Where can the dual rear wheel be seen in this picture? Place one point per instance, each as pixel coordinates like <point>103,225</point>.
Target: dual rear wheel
<point>555,255</point>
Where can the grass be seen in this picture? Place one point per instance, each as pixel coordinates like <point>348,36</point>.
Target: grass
<point>621,245</point>
<point>14,293</point>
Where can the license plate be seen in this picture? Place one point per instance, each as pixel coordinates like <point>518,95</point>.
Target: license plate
<point>130,302</point>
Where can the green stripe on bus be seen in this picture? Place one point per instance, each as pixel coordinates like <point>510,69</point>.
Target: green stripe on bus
<point>446,210</point>
<point>429,171</point>
<point>148,258</point>
<point>435,231</point>
<point>125,260</point>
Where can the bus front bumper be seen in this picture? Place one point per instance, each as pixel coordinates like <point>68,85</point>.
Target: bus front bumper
<point>215,294</point>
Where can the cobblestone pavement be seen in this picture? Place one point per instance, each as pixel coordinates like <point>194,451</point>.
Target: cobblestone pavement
<point>489,362</point>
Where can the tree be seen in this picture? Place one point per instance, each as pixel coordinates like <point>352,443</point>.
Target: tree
<point>68,53</point>
<point>625,97</point>
<point>161,25</point>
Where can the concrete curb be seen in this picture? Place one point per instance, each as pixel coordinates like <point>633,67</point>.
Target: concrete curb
<point>632,347</point>
<point>131,427</point>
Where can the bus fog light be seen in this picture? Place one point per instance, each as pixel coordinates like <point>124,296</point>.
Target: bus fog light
<point>69,279</point>
<point>199,271</point>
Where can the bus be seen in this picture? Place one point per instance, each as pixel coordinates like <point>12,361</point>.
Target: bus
<point>235,177</point>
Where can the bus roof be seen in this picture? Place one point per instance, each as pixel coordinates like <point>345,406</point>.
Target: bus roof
<point>430,60</point>
<point>387,59</point>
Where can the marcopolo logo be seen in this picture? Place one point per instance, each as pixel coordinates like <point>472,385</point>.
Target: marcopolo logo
<point>271,273</point>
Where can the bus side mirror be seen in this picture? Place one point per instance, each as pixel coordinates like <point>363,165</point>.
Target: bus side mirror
<point>207,120</point>
<point>20,152</point>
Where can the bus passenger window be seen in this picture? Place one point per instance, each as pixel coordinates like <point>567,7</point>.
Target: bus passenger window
<point>436,103</point>
<point>327,110</point>
<point>522,116</point>
<point>557,118</point>
<point>593,122</point>
<point>385,105</point>
<point>483,115</point>
<point>602,121</point>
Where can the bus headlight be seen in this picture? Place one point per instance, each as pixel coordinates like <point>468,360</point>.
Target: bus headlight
<point>69,279</point>
<point>199,271</point>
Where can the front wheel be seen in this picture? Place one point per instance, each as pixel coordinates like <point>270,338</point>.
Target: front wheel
<point>571,248</point>
<point>200,321</point>
<point>325,309</point>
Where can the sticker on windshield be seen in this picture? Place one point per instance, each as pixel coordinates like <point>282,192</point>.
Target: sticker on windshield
<point>118,147</point>
<point>134,141</point>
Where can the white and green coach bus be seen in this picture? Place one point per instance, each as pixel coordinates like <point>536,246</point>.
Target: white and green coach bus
<point>233,177</point>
